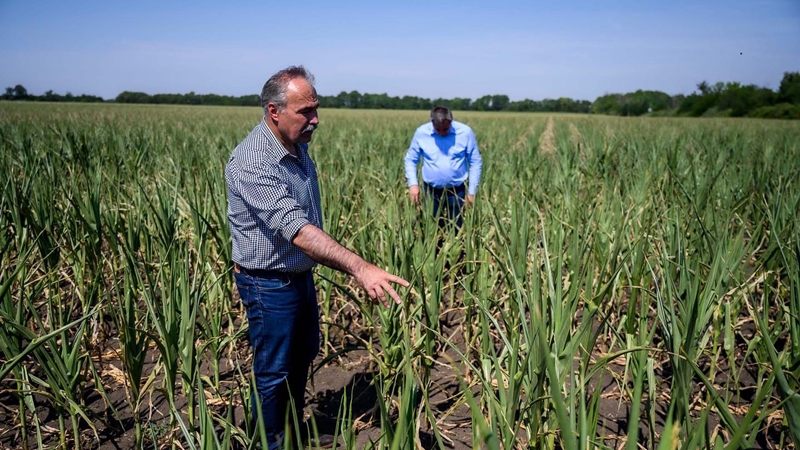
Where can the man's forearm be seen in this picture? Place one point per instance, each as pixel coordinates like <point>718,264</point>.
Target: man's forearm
<point>324,249</point>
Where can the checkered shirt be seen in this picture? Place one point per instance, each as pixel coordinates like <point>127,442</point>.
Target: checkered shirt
<point>271,196</point>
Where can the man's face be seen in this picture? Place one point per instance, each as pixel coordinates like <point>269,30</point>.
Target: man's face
<point>442,129</point>
<point>298,119</point>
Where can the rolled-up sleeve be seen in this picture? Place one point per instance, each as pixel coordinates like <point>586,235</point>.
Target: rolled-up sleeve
<point>272,194</point>
<point>267,196</point>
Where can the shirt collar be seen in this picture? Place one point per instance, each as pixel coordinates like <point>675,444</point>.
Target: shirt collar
<point>449,132</point>
<point>274,147</point>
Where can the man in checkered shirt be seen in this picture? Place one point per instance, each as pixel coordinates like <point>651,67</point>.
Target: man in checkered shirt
<point>276,227</point>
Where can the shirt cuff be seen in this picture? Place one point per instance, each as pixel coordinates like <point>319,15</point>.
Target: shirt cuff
<point>292,228</point>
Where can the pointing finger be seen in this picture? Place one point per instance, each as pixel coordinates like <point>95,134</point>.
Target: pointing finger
<point>398,280</point>
<point>393,294</point>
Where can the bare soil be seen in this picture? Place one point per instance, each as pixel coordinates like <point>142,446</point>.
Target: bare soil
<point>348,376</point>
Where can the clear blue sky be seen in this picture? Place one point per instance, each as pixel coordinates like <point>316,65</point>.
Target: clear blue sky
<point>444,48</point>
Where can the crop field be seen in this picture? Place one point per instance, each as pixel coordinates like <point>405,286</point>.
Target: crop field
<point>626,284</point>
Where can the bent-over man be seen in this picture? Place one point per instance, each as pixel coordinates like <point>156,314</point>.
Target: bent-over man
<point>450,156</point>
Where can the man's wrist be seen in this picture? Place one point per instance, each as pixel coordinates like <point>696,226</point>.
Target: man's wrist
<point>358,265</point>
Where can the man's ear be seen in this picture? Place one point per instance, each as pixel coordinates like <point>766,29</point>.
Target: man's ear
<point>272,111</point>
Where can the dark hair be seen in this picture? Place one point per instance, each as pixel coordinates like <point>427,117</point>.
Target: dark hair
<point>440,115</point>
<point>274,90</point>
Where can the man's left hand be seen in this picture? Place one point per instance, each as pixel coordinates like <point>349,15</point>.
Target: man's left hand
<point>470,199</point>
<point>376,282</point>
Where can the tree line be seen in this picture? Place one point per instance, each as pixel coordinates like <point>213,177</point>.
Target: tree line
<point>19,92</point>
<point>720,99</point>
<point>357,100</point>
<point>717,100</point>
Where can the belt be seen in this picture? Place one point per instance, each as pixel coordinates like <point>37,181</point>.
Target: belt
<point>440,190</point>
<point>262,273</point>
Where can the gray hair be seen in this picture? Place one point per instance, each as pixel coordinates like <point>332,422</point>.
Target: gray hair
<point>440,114</point>
<point>274,90</point>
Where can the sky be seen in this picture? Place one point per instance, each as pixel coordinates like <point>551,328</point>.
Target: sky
<point>431,49</point>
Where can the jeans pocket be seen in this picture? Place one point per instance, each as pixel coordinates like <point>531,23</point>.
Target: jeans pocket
<point>252,289</point>
<point>272,283</point>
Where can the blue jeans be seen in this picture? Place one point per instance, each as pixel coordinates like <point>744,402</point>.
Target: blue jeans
<point>447,204</point>
<point>283,319</point>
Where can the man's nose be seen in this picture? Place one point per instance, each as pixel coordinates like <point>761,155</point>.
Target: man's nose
<point>314,118</point>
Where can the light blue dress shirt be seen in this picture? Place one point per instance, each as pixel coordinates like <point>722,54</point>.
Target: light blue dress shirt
<point>447,161</point>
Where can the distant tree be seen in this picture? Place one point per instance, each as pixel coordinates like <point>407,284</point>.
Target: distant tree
<point>703,87</point>
<point>675,101</point>
<point>500,102</point>
<point>20,93</point>
<point>193,99</point>
<point>84,98</point>
<point>789,91</point>
<point>631,104</point>
<point>521,105</point>
<point>413,102</point>
<point>50,96</point>
<point>607,104</point>
<point>779,111</point>
<point>740,100</point>
<point>342,100</point>
<point>249,100</point>
<point>354,99</point>
<point>460,104</point>
<point>696,105</point>
<point>656,100</point>
<point>132,97</point>
<point>482,104</point>
<point>549,105</point>
<point>729,99</point>
<point>377,101</point>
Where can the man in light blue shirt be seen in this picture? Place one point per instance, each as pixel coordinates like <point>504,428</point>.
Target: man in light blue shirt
<point>450,157</point>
